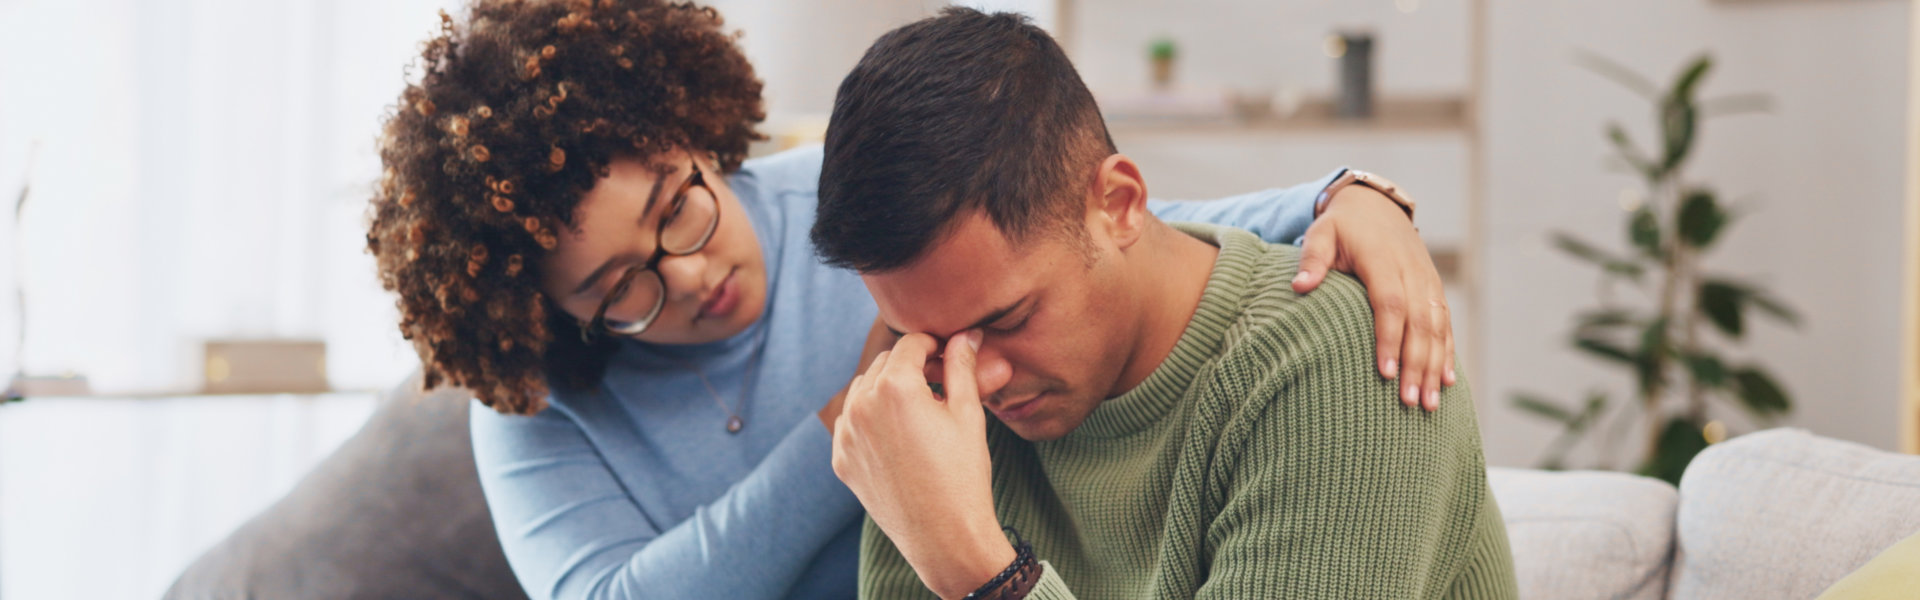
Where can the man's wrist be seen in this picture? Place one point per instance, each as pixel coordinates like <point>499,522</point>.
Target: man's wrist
<point>972,565</point>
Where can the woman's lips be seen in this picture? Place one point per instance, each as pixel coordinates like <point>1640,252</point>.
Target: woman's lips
<point>725,298</point>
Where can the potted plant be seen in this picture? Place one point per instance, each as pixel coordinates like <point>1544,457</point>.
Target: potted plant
<point>1671,347</point>
<point>1161,53</point>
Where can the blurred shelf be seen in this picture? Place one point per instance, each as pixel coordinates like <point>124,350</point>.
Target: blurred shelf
<point>1405,115</point>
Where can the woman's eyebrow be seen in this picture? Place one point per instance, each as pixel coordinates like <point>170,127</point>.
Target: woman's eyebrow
<point>653,197</point>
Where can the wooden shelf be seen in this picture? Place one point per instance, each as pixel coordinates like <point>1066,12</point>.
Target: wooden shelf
<point>1391,115</point>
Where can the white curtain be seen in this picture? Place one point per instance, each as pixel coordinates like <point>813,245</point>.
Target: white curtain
<point>202,172</point>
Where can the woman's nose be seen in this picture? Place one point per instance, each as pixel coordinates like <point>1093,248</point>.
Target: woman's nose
<point>685,276</point>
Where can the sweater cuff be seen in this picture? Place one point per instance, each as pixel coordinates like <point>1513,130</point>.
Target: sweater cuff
<point>1051,586</point>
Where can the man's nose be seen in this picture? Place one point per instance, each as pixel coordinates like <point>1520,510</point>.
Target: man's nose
<point>991,371</point>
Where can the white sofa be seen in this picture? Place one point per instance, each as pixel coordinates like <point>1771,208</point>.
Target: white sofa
<point>1781,513</point>
<point>396,512</point>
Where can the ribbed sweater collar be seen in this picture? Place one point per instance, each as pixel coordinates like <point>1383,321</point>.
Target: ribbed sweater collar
<point>1148,402</point>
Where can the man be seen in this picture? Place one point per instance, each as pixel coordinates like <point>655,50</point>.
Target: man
<point>1169,418</point>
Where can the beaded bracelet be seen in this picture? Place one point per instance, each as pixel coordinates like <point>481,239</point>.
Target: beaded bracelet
<point>1022,573</point>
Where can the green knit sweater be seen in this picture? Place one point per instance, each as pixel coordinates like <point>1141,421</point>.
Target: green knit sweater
<point>1264,458</point>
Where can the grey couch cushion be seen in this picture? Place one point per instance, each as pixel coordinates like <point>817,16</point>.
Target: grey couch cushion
<point>395,512</point>
<point>1586,534</point>
<point>1784,514</point>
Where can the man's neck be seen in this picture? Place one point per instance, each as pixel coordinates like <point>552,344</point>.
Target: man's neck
<point>1170,270</point>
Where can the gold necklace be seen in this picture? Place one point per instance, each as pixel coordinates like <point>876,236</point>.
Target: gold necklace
<point>734,422</point>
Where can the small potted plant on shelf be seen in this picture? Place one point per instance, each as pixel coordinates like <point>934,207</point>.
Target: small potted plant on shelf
<point>1161,52</point>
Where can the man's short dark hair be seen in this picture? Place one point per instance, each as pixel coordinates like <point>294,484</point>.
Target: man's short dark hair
<point>955,113</point>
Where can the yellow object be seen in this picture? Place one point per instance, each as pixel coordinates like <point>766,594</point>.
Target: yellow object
<point>1895,573</point>
<point>218,369</point>
<point>1715,432</point>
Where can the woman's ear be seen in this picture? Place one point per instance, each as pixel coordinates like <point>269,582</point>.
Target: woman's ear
<point>1118,205</point>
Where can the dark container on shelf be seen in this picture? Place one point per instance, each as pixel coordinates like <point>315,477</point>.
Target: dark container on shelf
<point>1355,100</point>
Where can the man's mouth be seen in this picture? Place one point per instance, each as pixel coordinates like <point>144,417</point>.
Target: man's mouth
<point>1018,410</point>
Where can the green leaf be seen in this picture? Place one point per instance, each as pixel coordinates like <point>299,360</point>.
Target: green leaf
<point>1707,369</point>
<point>1543,408</point>
<point>1628,152</point>
<point>1721,303</point>
<point>1700,218</point>
<point>1679,114</point>
<point>1678,443</point>
<point>1689,81</point>
<point>1678,121</point>
<point>1605,349</point>
<point>1588,252</point>
<point>1606,318</point>
<point>1767,304</point>
<point>1653,346</point>
<point>1644,231</point>
<point>1760,393</point>
<point>1596,404</point>
<point>1162,49</point>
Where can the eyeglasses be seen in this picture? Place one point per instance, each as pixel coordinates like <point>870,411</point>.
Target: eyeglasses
<point>641,293</point>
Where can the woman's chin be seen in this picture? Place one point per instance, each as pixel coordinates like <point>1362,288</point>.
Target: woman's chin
<point>713,328</point>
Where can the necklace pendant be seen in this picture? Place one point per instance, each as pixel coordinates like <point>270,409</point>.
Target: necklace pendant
<point>734,424</point>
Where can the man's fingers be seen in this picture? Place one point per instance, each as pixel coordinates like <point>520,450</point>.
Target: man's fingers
<point>1316,257</point>
<point>963,390</point>
<point>909,355</point>
<point>863,383</point>
<point>878,365</point>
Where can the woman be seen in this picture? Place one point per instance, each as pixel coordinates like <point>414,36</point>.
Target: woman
<point>573,237</point>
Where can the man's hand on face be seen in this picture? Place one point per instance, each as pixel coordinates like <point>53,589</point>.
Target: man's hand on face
<point>1368,235</point>
<point>919,462</point>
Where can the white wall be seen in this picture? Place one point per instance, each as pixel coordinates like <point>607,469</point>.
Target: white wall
<point>203,173</point>
<point>1823,176</point>
<point>803,49</point>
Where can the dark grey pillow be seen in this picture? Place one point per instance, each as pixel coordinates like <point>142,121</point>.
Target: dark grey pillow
<point>395,512</point>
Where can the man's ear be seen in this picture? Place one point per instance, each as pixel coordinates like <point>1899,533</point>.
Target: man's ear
<point>1118,204</point>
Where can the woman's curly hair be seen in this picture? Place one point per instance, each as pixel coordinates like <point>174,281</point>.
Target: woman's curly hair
<point>516,114</point>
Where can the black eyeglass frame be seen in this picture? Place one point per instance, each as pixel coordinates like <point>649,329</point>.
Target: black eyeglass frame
<point>599,321</point>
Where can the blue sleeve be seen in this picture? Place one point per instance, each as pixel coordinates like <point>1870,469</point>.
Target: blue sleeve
<point>1279,215</point>
<point>570,530</point>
